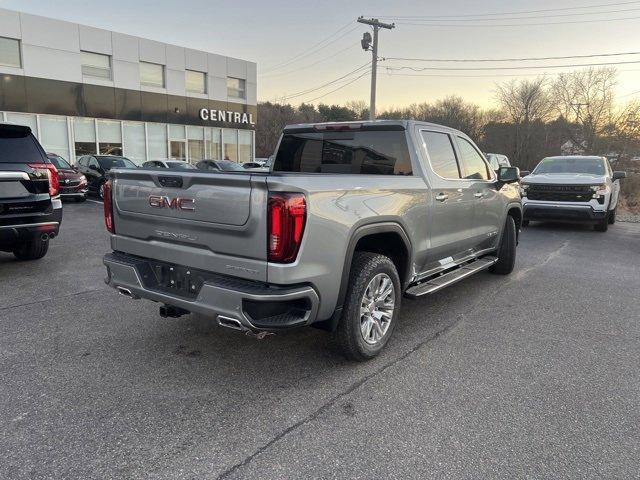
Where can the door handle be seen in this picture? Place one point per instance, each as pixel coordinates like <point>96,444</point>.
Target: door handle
<point>441,197</point>
<point>478,194</point>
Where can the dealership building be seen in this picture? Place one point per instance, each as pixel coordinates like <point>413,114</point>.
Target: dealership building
<point>84,90</point>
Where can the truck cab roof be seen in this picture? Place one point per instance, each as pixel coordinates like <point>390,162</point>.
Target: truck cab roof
<point>368,125</point>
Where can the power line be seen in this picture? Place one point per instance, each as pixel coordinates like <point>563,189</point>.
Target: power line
<point>315,47</point>
<point>333,55</point>
<point>304,92</point>
<point>510,59</point>
<point>524,67</point>
<point>521,12</point>
<point>516,24</point>
<point>493,75</point>
<point>339,88</point>
<point>525,18</point>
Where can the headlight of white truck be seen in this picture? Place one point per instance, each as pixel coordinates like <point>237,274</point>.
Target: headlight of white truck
<point>600,190</point>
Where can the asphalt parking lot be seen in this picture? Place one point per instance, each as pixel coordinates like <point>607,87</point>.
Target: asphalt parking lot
<point>534,375</point>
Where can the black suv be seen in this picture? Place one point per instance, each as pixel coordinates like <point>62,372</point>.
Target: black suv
<point>30,206</point>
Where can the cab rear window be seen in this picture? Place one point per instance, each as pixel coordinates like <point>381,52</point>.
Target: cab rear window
<point>360,152</point>
<point>18,145</point>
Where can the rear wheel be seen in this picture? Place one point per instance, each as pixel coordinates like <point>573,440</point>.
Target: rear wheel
<point>371,306</point>
<point>507,249</point>
<point>31,250</point>
<point>81,199</point>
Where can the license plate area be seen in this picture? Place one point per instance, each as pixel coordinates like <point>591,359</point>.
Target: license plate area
<point>182,281</point>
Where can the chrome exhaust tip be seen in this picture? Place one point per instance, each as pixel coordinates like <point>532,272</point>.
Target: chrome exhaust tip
<point>231,323</point>
<point>125,292</point>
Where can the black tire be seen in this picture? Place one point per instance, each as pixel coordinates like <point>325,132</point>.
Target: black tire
<point>32,250</point>
<point>81,199</point>
<point>348,336</point>
<point>602,225</point>
<point>101,191</point>
<point>507,249</point>
<point>525,223</point>
<point>612,216</point>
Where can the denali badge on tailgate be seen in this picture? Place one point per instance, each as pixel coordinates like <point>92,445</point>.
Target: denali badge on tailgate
<point>177,203</point>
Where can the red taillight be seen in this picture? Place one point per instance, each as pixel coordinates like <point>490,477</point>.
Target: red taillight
<point>107,203</point>
<point>52,173</point>
<point>287,217</point>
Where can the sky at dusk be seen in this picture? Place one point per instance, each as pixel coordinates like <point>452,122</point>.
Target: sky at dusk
<point>300,45</point>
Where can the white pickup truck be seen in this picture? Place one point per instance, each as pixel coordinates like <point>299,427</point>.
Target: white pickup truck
<point>572,189</point>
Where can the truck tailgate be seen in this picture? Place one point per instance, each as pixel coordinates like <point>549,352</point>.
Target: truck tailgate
<point>210,221</point>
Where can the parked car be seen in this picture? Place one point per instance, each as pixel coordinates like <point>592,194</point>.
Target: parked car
<point>353,217</point>
<point>572,189</point>
<point>30,205</point>
<point>73,184</point>
<point>497,160</point>
<point>219,166</point>
<point>96,167</point>
<point>171,164</point>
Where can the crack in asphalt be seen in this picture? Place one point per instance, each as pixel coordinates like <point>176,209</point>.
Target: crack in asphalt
<point>27,304</point>
<point>334,400</point>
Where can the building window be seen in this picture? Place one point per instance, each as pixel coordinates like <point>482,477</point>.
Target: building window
<point>214,143</point>
<point>245,145</point>
<point>10,52</point>
<point>196,82</point>
<point>177,142</point>
<point>84,135</point>
<point>152,74</point>
<point>96,65</point>
<point>26,119</point>
<point>236,87</point>
<point>157,141</point>
<point>134,147</point>
<point>230,139</point>
<point>54,136</point>
<point>195,143</point>
<point>109,137</point>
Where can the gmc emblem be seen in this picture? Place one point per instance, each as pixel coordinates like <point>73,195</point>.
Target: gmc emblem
<point>177,203</point>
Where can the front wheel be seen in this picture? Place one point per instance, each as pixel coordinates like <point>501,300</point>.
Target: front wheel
<point>612,216</point>
<point>371,306</point>
<point>602,225</point>
<point>507,249</point>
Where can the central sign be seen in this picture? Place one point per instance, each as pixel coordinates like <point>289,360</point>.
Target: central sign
<point>210,114</point>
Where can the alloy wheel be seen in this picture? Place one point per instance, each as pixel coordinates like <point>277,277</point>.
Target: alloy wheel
<point>376,308</point>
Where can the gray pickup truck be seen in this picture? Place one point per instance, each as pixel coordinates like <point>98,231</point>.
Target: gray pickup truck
<point>350,217</point>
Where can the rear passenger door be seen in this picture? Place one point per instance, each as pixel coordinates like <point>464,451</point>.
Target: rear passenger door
<point>451,228</point>
<point>488,206</point>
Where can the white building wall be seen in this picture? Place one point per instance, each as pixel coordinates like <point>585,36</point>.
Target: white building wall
<point>51,49</point>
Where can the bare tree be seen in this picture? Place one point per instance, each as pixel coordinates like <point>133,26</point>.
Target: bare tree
<point>359,107</point>
<point>585,99</point>
<point>524,103</point>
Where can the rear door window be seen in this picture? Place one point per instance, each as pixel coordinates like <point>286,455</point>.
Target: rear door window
<point>360,152</point>
<point>441,154</point>
<point>475,167</point>
<point>19,146</point>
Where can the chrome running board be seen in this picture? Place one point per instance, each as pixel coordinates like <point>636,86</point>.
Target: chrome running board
<point>450,277</point>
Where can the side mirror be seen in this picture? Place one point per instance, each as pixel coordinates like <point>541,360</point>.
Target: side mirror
<point>617,175</point>
<point>508,174</point>
<point>524,173</point>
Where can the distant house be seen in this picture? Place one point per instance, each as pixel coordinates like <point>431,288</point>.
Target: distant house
<point>572,148</point>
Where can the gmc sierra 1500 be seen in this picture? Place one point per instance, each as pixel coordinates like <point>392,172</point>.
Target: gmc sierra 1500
<point>350,217</point>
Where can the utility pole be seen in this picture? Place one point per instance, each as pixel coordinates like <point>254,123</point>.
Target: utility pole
<point>366,42</point>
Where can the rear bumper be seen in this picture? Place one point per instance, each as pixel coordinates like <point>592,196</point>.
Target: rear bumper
<point>562,212</point>
<point>18,230</point>
<point>256,306</point>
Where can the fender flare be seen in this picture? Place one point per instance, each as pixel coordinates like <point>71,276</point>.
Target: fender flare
<point>358,234</point>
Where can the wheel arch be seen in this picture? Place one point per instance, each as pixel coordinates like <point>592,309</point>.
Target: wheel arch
<point>387,238</point>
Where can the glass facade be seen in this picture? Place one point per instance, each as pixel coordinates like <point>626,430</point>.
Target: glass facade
<point>72,137</point>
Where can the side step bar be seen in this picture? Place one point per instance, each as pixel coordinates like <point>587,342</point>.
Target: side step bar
<point>451,277</point>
